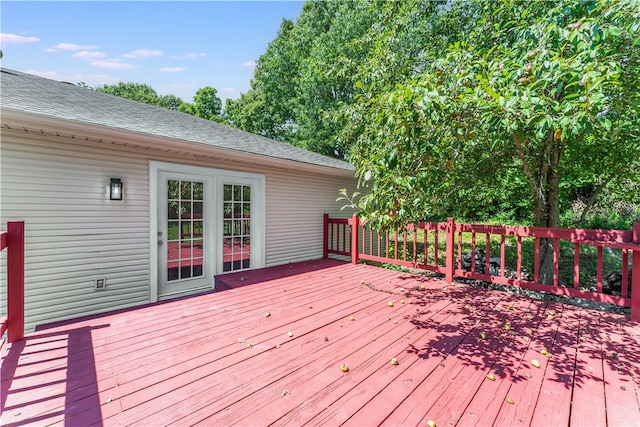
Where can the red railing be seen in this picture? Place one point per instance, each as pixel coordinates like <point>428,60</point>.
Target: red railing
<point>455,250</point>
<point>13,241</point>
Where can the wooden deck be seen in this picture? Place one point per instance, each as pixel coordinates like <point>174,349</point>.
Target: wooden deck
<point>218,359</point>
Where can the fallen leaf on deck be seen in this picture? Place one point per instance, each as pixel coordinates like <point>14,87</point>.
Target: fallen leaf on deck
<point>535,363</point>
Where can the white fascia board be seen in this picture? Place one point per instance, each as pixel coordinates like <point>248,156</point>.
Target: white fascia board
<point>40,122</point>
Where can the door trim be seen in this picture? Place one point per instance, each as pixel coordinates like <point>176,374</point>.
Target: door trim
<point>219,177</point>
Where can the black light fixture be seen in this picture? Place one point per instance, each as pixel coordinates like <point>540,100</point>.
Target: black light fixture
<point>115,189</point>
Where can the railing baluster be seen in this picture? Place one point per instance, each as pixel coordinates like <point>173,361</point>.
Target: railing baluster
<point>404,244</point>
<point>599,282</point>
<point>436,233</point>
<point>395,244</point>
<point>460,250</point>
<point>502,255</point>
<point>556,260</point>
<point>415,245</point>
<point>473,252</point>
<point>625,273</point>
<point>536,260</point>
<point>424,244</point>
<point>519,262</point>
<point>576,266</point>
<point>487,261</point>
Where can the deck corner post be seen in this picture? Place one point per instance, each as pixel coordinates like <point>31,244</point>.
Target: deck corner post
<point>450,267</point>
<point>15,281</point>
<point>635,276</point>
<point>325,244</point>
<point>354,222</point>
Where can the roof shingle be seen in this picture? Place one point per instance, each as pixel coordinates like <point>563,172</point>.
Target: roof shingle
<point>31,94</point>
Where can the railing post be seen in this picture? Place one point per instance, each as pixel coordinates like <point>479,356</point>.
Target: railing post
<point>635,276</point>
<point>450,265</point>
<point>15,280</point>
<point>325,248</point>
<point>354,222</point>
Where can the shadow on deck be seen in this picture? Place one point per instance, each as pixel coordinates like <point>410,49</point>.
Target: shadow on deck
<point>220,359</point>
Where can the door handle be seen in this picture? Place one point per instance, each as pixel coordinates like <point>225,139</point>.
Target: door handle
<point>159,242</point>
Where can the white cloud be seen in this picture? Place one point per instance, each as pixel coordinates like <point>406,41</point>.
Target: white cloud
<point>191,55</point>
<point>113,64</point>
<point>70,47</point>
<point>228,90</point>
<point>143,53</point>
<point>6,39</point>
<point>87,55</point>
<point>90,79</point>
<point>248,64</point>
<point>171,69</point>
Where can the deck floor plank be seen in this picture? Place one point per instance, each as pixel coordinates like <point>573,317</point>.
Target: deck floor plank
<point>555,393</point>
<point>469,363</point>
<point>473,363</point>
<point>432,362</point>
<point>526,385</point>
<point>180,362</point>
<point>618,382</point>
<point>588,405</point>
<point>491,396</point>
<point>311,385</point>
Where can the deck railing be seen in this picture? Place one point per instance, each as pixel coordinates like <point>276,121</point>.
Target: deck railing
<point>505,255</point>
<point>13,241</point>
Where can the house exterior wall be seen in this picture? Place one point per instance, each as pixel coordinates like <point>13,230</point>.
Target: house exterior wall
<point>75,234</point>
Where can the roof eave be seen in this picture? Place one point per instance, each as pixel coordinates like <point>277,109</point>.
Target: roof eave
<point>46,123</point>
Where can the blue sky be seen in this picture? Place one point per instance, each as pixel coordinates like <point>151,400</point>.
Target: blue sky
<point>175,47</point>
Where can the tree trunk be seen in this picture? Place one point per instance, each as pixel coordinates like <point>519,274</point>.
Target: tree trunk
<point>547,208</point>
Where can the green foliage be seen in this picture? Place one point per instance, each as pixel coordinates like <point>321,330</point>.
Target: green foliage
<point>136,91</point>
<point>206,103</point>
<point>523,99</point>
<point>312,69</point>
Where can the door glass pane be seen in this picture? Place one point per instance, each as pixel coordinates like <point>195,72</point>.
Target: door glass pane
<point>236,230</point>
<point>185,229</point>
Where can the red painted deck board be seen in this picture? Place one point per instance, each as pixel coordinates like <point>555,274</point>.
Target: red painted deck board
<point>181,362</point>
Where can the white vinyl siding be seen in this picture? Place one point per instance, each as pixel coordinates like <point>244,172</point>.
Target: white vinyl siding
<point>75,234</point>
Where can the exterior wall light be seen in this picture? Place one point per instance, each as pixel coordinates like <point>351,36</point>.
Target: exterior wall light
<point>115,189</point>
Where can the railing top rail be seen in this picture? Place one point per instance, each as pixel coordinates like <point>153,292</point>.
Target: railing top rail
<point>572,234</point>
<point>338,220</point>
<point>3,240</point>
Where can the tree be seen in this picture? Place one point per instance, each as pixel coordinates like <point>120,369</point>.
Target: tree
<point>206,104</point>
<point>307,75</point>
<point>137,91</point>
<point>547,93</point>
<point>170,102</point>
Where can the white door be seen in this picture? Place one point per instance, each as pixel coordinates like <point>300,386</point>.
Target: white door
<point>185,233</point>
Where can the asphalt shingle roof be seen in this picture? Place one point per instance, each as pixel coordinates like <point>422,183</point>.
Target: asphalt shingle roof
<point>32,94</point>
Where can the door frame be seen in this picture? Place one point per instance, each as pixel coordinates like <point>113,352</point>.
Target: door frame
<point>219,178</point>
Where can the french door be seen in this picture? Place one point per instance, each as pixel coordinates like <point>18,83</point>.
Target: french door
<point>206,222</point>
<point>185,233</point>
